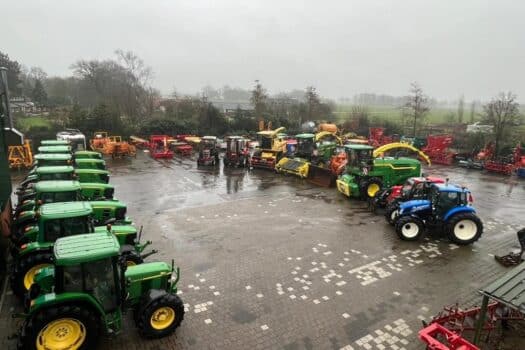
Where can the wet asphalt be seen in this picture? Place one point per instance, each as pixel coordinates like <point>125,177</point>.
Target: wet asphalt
<point>274,262</point>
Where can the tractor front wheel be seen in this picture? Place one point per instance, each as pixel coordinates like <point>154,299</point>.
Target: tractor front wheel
<point>61,327</point>
<point>370,187</point>
<point>409,228</point>
<point>161,316</point>
<point>25,269</point>
<point>464,228</point>
<point>391,214</point>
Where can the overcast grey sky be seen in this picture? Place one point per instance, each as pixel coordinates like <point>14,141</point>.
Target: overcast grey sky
<point>341,47</point>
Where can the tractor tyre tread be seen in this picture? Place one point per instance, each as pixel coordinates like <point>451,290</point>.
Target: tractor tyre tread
<point>449,228</point>
<point>146,311</point>
<point>388,213</point>
<point>20,268</point>
<point>363,189</point>
<point>32,326</point>
<point>402,221</point>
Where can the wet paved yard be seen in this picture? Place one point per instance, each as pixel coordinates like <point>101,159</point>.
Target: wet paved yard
<point>273,262</point>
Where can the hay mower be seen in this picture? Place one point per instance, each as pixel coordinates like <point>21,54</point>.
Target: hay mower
<point>366,173</point>
<point>33,248</point>
<point>449,208</point>
<point>208,151</point>
<point>270,150</point>
<point>237,152</point>
<point>437,149</point>
<point>88,288</point>
<point>159,147</point>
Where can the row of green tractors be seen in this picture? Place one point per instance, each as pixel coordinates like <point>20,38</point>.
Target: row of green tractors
<point>78,260</point>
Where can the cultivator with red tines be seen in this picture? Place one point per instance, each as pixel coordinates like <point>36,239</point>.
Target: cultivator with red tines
<point>437,149</point>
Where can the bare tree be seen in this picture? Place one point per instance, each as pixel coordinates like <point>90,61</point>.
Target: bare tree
<point>472,111</point>
<point>258,100</point>
<point>312,102</point>
<point>417,105</point>
<point>502,111</point>
<point>136,66</point>
<point>461,109</point>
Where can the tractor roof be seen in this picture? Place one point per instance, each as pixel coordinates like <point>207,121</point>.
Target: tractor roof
<point>55,149</point>
<point>305,136</point>
<point>87,153</point>
<point>54,143</point>
<point>397,162</point>
<point>82,248</point>
<point>359,147</point>
<point>90,171</point>
<point>52,156</point>
<point>89,160</point>
<point>57,186</point>
<point>210,138</point>
<point>61,210</point>
<point>106,204</point>
<point>95,185</point>
<point>54,169</point>
<point>450,188</point>
<point>234,138</point>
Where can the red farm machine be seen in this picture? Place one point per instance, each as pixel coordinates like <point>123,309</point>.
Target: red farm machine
<point>377,137</point>
<point>506,165</point>
<point>159,147</point>
<point>437,149</point>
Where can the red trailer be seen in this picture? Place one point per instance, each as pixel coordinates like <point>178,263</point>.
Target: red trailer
<point>437,149</point>
<point>159,147</point>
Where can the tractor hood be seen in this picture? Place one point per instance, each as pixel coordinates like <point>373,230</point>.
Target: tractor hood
<point>146,276</point>
<point>414,206</point>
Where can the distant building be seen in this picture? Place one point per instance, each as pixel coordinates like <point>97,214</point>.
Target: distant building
<point>230,107</point>
<point>21,105</point>
<point>480,128</point>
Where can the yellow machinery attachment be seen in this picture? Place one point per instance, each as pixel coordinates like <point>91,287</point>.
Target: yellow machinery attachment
<point>378,151</point>
<point>20,156</point>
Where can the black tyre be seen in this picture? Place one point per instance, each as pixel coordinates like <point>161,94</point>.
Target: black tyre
<point>409,228</point>
<point>392,214</point>
<point>369,187</point>
<point>61,327</point>
<point>160,316</point>
<point>464,228</point>
<point>24,270</point>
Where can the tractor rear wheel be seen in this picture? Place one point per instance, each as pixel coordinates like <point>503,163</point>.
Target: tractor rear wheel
<point>464,228</point>
<point>61,327</point>
<point>409,228</point>
<point>161,316</point>
<point>391,214</point>
<point>25,269</point>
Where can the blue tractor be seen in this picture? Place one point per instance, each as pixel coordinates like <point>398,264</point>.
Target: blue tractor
<point>448,207</point>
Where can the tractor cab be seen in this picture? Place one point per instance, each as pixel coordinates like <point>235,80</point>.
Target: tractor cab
<point>87,154</point>
<point>44,192</point>
<point>237,152</point>
<point>92,175</point>
<point>55,149</point>
<point>47,173</point>
<point>306,146</point>
<point>208,151</point>
<point>90,163</point>
<point>76,139</point>
<point>360,157</point>
<point>445,198</point>
<point>51,159</point>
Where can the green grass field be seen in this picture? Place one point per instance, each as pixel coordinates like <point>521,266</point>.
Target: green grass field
<point>392,113</point>
<point>25,123</point>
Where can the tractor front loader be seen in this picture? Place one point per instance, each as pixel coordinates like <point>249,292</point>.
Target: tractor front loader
<point>86,290</point>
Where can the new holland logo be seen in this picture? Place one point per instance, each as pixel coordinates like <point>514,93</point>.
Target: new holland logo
<point>419,207</point>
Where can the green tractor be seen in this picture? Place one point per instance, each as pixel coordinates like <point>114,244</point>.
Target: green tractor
<point>34,248</point>
<point>92,175</point>
<point>90,163</point>
<point>366,173</point>
<point>88,288</point>
<point>50,159</point>
<point>47,173</point>
<point>66,149</point>
<point>87,155</point>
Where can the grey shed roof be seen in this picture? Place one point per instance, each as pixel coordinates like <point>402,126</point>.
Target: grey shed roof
<point>509,289</point>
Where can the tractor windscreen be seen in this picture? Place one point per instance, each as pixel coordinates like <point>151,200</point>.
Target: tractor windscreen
<point>264,142</point>
<point>53,197</point>
<point>57,228</point>
<point>305,146</point>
